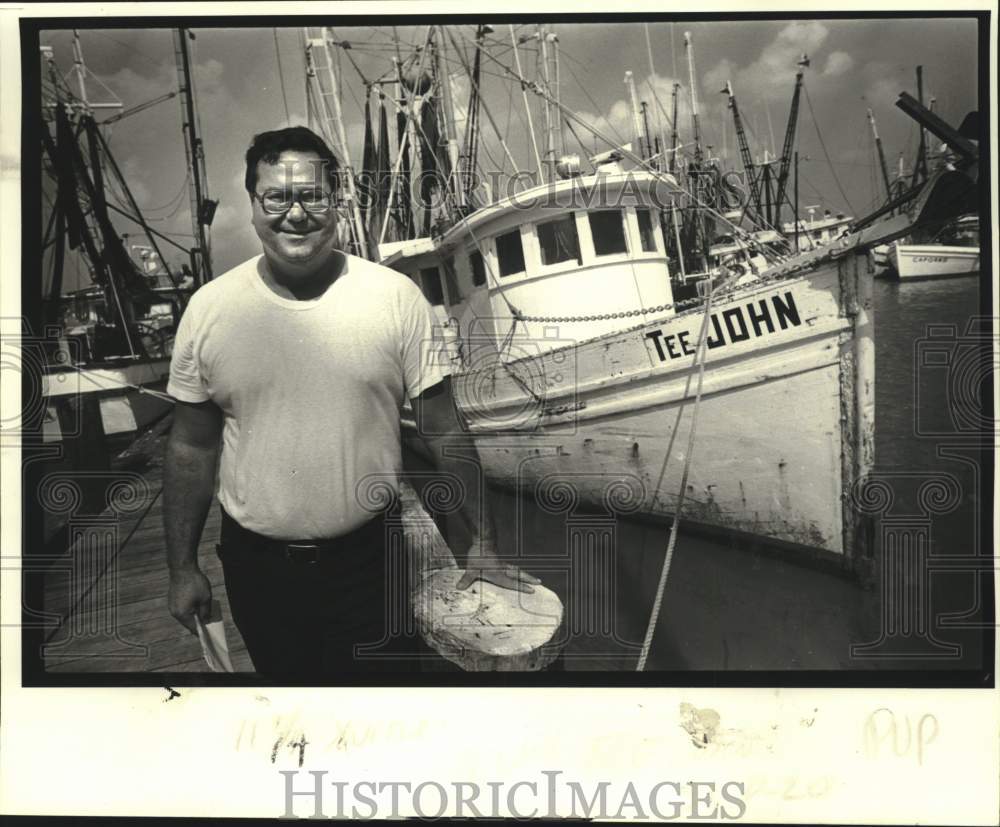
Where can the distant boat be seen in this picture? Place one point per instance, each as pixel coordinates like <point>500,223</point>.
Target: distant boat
<point>954,251</point>
<point>818,232</point>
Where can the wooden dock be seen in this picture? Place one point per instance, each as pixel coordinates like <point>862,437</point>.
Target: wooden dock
<point>113,608</point>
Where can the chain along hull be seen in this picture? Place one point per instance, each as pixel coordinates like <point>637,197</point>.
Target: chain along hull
<point>784,426</point>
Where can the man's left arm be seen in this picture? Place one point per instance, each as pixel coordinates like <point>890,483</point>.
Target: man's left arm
<point>453,451</point>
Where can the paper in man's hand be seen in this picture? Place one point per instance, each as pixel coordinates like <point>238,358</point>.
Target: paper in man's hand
<point>213,640</point>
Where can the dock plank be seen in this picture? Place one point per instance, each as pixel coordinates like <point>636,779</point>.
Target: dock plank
<point>111,609</point>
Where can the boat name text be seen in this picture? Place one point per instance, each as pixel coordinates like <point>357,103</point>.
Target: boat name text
<point>731,326</point>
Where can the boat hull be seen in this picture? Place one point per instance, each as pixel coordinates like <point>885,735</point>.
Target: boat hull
<point>785,422</point>
<point>924,261</point>
<point>124,407</point>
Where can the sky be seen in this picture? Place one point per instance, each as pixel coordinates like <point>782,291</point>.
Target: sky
<point>243,88</point>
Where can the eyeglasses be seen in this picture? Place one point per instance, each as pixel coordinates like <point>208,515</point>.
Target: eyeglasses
<point>276,202</point>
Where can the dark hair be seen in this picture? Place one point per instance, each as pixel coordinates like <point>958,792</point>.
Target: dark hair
<point>268,146</point>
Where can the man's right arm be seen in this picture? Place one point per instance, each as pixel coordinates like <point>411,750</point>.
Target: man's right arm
<point>188,487</point>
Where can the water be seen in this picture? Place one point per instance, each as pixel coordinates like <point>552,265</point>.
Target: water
<point>733,607</point>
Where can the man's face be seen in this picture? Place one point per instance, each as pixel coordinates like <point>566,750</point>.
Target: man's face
<point>295,237</point>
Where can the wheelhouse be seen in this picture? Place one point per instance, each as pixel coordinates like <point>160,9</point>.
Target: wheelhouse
<point>550,266</point>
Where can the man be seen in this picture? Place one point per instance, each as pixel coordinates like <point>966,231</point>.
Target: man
<point>298,361</point>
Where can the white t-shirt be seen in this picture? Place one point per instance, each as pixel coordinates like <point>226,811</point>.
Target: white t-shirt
<point>311,391</point>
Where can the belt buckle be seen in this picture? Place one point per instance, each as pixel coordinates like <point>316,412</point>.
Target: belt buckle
<point>302,552</point>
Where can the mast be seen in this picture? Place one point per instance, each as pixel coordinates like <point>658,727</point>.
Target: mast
<point>881,155</point>
<point>202,208</point>
<point>645,124</point>
<point>451,131</point>
<point>660,134</point>
<point>553,38</point>
<point>920,165</point>
<point>673,128</point>
<point>796,201</point>
<point>551,124</point>
<point>78,67</point>
<point>636,114</point>
<point>789,142</point>
<point>527,109</point>
<point>320,74</point>
<point>689,49</point>
<point>745,155</point>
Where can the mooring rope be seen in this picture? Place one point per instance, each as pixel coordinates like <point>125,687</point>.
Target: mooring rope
<point>699,363</point>
<point>166,397</point>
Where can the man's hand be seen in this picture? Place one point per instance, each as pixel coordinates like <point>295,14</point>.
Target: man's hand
<point>189,593</point>
<point>481,563</point>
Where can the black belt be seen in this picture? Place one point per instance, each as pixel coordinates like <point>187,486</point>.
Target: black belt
<point>301,551</point>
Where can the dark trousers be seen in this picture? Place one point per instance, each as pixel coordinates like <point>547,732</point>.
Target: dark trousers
<point>348,611</point>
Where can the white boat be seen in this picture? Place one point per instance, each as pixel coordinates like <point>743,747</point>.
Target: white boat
<point>818,232</point>
<point>590,384</point>
<point>576,366</point>
<point>953,252</point>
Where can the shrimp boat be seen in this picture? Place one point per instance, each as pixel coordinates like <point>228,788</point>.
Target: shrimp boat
<point>576,367</point>
<point>105,355</point>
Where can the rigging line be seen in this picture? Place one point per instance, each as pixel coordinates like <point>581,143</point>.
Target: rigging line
<point>126,46</point>
<point>457,63</point>
<point>822,143</point>
<point>179,204</point>
<point>594,104</point>
<point>636,159</point>
<point>347,52</point>
<point>281,74</point>
<point>178,196</point>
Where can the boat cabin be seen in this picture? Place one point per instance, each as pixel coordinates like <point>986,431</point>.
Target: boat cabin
<point>818,232</point>
<point>576,258</point>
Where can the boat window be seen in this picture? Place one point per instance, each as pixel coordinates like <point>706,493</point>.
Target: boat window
<point>510,254</point>
<point>430,282</point>
<point>558,241</point>
<point>646,236</point>
<point>478,267</point>
<point>454,295</point>
<point>608,230</point>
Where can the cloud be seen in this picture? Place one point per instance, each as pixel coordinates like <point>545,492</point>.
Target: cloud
<point>882,84</point>
<point>837,63</point>
<point>657,92</point>
<point>761,80</point>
